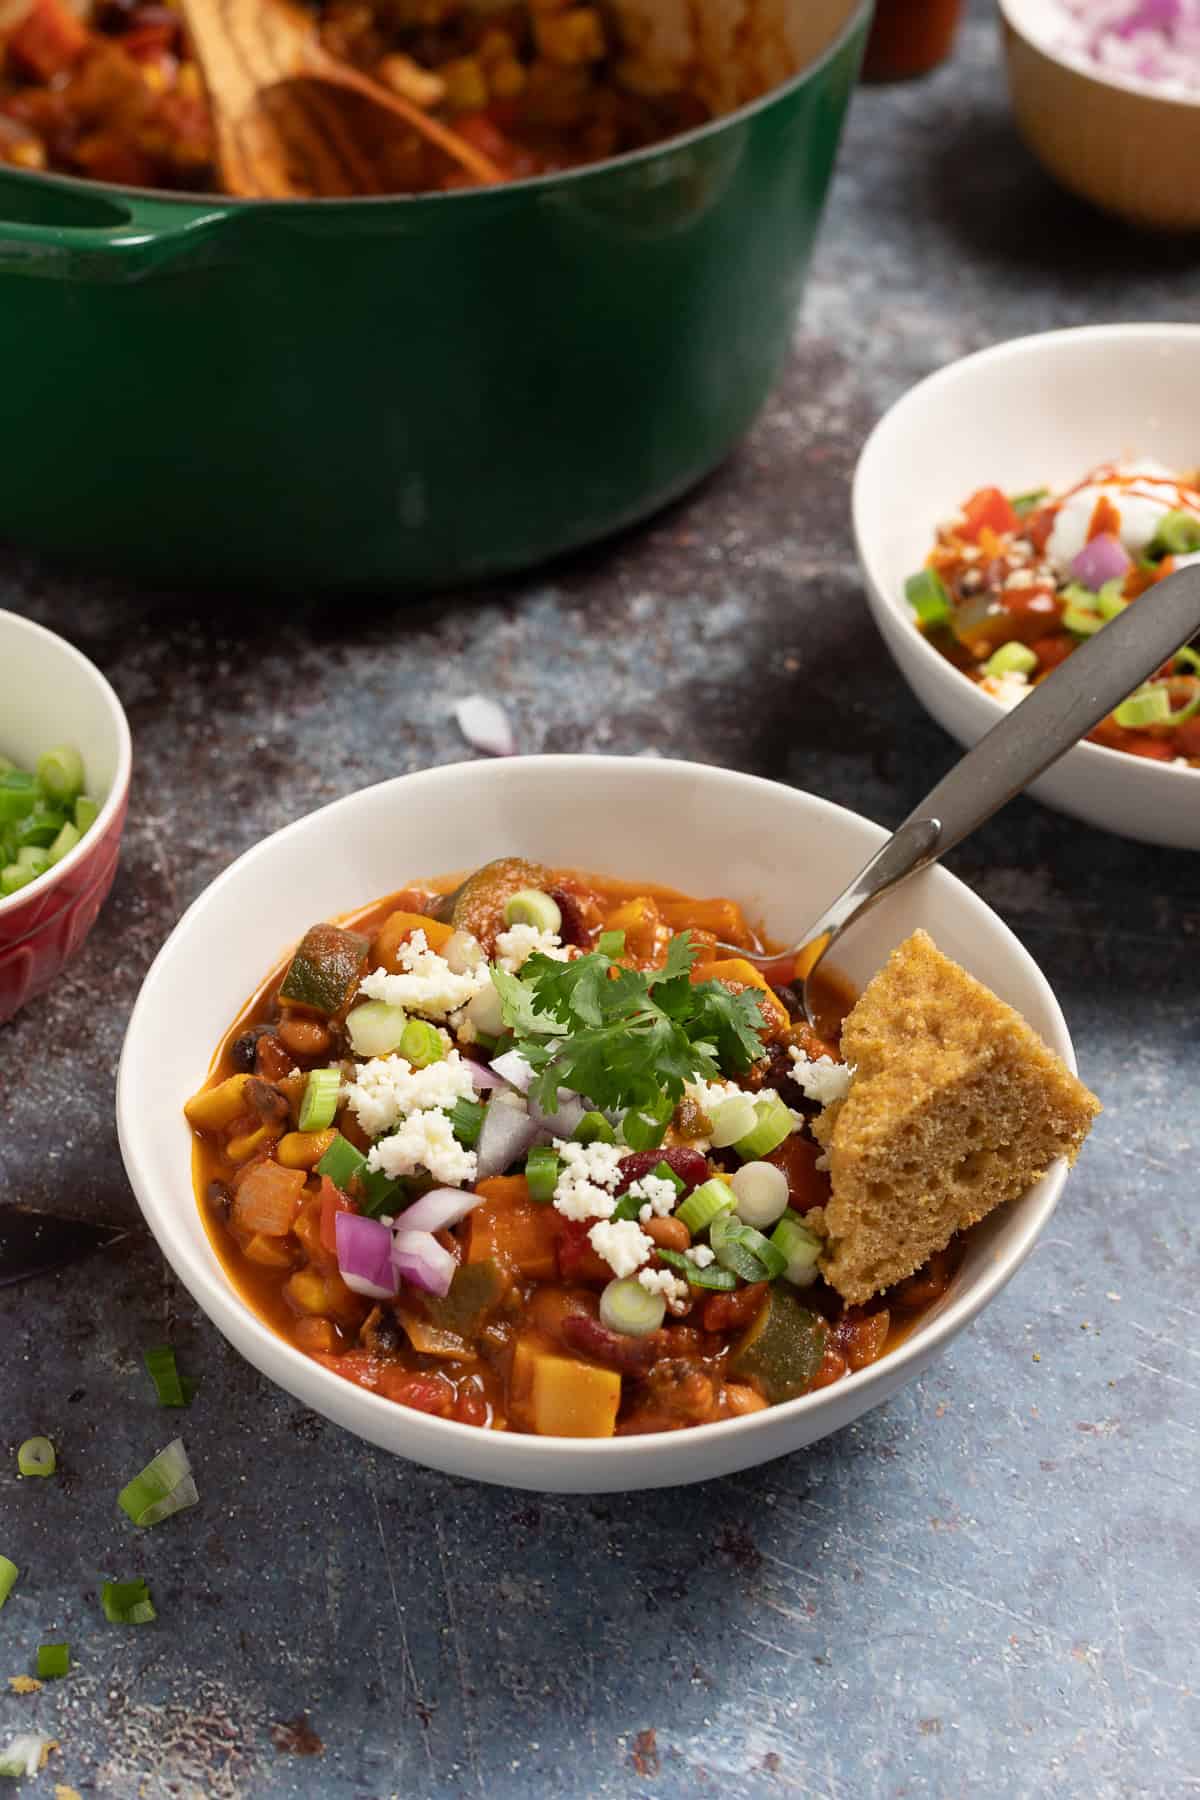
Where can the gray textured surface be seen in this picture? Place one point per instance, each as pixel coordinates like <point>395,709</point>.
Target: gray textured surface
<point>986,1587</point>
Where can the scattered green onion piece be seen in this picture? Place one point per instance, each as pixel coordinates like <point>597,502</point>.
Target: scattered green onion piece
<point>1082,623</point>
<point>169,1384</point>
<point>732,1119</point>
<point>745,1251</point>
<point>64,843</point>
<point>1149,706</point>
<point>15,876</point>
<point>643,1129</point>
<point>319,1106</point>
<point>532,907</point>
<point>761,1192</point>
<point>1183,713</point>
<point>53,1661</point>
<point>1177,534</point>
<point>422,1044</point>
<point>611,944</point>
<point>629,1206</point>
<point>629,1308</point>
<point>18,795</point>
<point>774,1123</point>
<point>30,857</point>
<point>36,1457</point>
<point>1189,658</point>
<point>127,1603</point>
<point>87,811</point>
<point>341,1162</point>
<point>704,1204</point>
<point>1075,594</point>
<point>40,827</point>
<point>1011,659</point>
<point>375,1028</point>
<point>926,594</point>
<point>1110,600</point>
<point>163,1487</point>
<point>541,1172</point>
<point>379,1194</point>
<point>714,1276</point>
<point>466,1122</point>
<point>664,1172</point>
<point>60,773</point>
<point>23,1754</point>
<point>800,1248</point>
<point>8,1575</point>
<point>1023,504</point>
<point>594,1128</point>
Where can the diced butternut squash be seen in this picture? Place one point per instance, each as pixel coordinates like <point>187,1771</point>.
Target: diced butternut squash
<point>723,918</point>
<point>303,1149</point>
<point>396,930</point>
<point>249,1143</point>
<point>738,973</point>
<point>646,934</point>
<point>270,1252</point>
<point>215,1108</point>
<point>509,1229</point>
<point>571,1399</point>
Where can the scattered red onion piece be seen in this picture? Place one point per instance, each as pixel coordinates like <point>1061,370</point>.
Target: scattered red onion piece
<point>486,1077</point>
<point>512,1068</point>
<point>1103,558</point>
<point>420,1260</point>
<point>484,724</point>
<point>438,1209</point>
<point>364,1254</point>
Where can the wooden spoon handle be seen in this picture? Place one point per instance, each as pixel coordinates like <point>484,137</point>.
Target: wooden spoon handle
<point>325,67</point>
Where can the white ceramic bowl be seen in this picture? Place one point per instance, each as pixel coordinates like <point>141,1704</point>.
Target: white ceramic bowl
<point>1114,139</point>
<point>1038,411</point>
<point>782,853</point>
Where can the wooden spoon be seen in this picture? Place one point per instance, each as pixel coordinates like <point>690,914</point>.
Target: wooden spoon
<point>280,133</point>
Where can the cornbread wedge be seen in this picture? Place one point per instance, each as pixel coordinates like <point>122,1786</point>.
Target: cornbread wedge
<point>956,1106</point>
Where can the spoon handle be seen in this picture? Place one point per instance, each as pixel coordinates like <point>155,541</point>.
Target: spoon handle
<point>1034,734</point>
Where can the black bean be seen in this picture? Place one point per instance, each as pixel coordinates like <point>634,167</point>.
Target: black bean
<point>242,1054</point>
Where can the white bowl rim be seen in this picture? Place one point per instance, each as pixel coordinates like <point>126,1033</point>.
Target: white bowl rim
<point>215,1294</point>
<point>1009,349</point>
<point>60,646</point>
<point>1016,13</point>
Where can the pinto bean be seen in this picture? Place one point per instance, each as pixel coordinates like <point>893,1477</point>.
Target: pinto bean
<point>304,1037</point>
<point>668,1234</point>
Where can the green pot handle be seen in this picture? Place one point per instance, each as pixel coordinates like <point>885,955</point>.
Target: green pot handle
<point>61,229</point>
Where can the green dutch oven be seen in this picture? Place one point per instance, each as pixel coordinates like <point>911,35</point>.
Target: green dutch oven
<point>412,391</point>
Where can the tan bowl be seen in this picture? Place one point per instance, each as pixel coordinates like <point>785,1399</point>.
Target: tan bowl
<point>1114,140</point>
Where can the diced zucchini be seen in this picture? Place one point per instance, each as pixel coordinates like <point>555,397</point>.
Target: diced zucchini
<point>476,1290</point>
<point>326,969</point>
<point>478,905</point>
<point>781,1348</point>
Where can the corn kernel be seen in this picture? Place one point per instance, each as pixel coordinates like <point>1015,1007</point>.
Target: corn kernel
<point>188,84</point>
<point>212,1109</point>
<point>303,1149</point>
<point>241,1149</point>
<point>507,78</point>
<point>571,38</point>
<point>466,84</point>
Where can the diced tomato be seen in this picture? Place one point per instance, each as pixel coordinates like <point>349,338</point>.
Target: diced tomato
<point>1135,743</point>
<point>358,1366</point>
<point>1036,528</point>
<point>577,1261</point>
<point>1050,651</point>
<point>48,41</point>
<point>729,1312</point>
<point>1187,738</point>
<point>797,1156</point>
<point>333,1201</point>
<point>991,509</point>
<point>424,1393</point>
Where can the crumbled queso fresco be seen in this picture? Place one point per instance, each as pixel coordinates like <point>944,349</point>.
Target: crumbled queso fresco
<point>427,984</point>
<point>425,1140</point>
<point>587,1176</point>
<point>659,1194</point>
<point>515,946</point>
<point>822,1080</point>
<point>387,1089</point>
<point>622,1243</point>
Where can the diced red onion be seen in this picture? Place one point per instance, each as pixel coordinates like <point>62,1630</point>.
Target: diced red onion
<point>485,725</point>
<point>506,1134</point>
<point>438,1209</point>
<point>563,1121</point>
<point>486,1077</point>
<point>513,1068</point>
<point>364,1254</point>
<point>1102,559</point>
<point>419,1259</point>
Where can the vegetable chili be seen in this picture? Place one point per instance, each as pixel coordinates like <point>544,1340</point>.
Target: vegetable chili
<point>579,1208</point>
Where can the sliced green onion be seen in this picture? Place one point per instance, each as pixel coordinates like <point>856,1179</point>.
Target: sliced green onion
<point>375,1028</point>
<point>18,795</point>
<point>611,944</point>
<point>1177,534</point>
<point>163,1487</point>
<point>127,1603</point>
<point>1111,600</point>
<point>732,1119</point>
<point>626,1306</point>
<point>1075,594</point>
<point>1023,504</point>
<point>87,811</point>
<point>1011,659</point>
<point>53,1660</point>
<point>704,1204</point>
<point>8,1575</point>
<point>341,1162</point>
<point>761,1191</point>
<point>541,1172</point>
<point>1149,706</point>
<point>40,828</point>
<point>1081,622</point>
<point>36,1457</point>
<point>319,1106</point>
<point>532,907</point>
<point>15,876</point>
<point>664,1172</point>
<point>594,1128</point>
<point>800,1247</point>
<point>378,1193</point>
<point>169,1384</point>
<point>466,1122</point>
<point>643,1128</point>
<point>30,857</point>
<point>24,1754</point>
<point>746,1252</point>
<point>64,843</point>
<point>60,773</point>
<point>1189,658</point>
<point>774,1123</point>
<point>714,1276</point>
<point>422,1044</point>
<point>926,594</point>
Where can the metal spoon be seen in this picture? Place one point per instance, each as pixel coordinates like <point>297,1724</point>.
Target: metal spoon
<point>1041,728</point>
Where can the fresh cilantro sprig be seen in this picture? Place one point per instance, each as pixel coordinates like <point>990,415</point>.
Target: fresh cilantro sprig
<point>628,1039</point>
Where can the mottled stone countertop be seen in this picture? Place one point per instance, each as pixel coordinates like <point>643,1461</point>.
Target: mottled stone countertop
<point>985,1587</point>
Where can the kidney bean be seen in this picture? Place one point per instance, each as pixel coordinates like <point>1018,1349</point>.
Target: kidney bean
<point>573,929</point>
<point>633,1356</point>
<point>689,1165</point>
